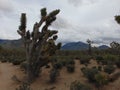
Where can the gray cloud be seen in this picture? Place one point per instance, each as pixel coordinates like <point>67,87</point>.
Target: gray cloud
<point>106,40</point>
<point>94,19</point>
<point>5,6</point>
<point>100,34</point>
<point>81,2</point>
<point>61,23</point>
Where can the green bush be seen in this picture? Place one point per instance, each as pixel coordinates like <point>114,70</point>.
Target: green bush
<point>100,68</point>
<point>90,73</point>
<point>16,62</point>
<point>110,59</point>
<point>72,62</point>
<point>101,79</point>
<point>54,73</point>
<point>99,59</point>
<point>70,68</point>
<point>57,65</point>
<point>3,60</point>
<point>24,87</point>
<point>85,59</point>
<point>79,86</point>
<point>109,69</point>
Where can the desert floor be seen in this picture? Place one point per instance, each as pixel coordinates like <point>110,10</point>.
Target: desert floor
<point>7,71</point>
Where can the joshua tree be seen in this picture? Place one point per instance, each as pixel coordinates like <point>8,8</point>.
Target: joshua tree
<point>39,44</point>
<point>117,19</point>
<point>89,43</point>
<point>115,45</point>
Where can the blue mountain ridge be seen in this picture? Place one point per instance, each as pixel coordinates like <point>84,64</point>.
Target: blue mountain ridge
<point>68,46</point>
<point>79,46</point>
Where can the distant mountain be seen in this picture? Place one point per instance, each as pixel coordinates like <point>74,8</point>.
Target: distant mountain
<point>75,46</point>
<point>103,47</point>
<point>2,41</point>
<point>11,43</point>
<point>68,46</point>
<point>79,46</point>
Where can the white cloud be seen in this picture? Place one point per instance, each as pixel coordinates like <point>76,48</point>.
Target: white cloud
<point>77,3</point>
<point>77,21</point>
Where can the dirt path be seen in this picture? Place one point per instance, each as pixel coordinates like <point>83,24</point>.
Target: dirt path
<point>7,70</point>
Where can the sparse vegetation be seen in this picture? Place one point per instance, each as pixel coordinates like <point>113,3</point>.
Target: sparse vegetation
<point>76,85</point>
<point>109,69</point>
<point>24,87</point>
<point>90,73</point>
<point>54,73</point>
<point>101,79</point>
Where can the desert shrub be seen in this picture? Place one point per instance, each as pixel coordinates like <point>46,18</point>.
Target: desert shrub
<point>109,69</point>
<point>64,62</point>
<point>70,68</point>
<point>76,85</point>
<point>57,65</point>
<point>99,59</point>
<point>90,73</point>
<point>54,73</point>
<point>70,65</point>
<point>3,60</point>
<point>101,79</point>
<point>100,68</point>
<point>85,59</point>
<point>16,62</point>
<point>71,61</point>
<point>110,59</point>
<point>24,87</point>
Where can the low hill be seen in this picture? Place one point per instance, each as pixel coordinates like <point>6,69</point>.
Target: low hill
<point>80,46</point>
<point>75,46</point>
<point>68,46</point>
<point>103,47</point>
<point>11,43</point>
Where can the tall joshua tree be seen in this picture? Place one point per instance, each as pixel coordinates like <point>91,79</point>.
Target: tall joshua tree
<point>90,47</point>
<point>39,44</point>
<point>116,45</point>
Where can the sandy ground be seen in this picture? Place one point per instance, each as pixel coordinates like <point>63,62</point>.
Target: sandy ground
<point>7,71</point>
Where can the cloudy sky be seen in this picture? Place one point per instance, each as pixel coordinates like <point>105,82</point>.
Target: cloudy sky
<point>78,20</point>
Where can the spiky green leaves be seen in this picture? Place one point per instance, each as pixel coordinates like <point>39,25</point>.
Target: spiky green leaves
<point>55,37</point>
<point>43,12</point>
<point>50,20</point>
<point>117,18</point>
<point>54,13</point>
<point>22,26</point>
<point>52,16</point>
